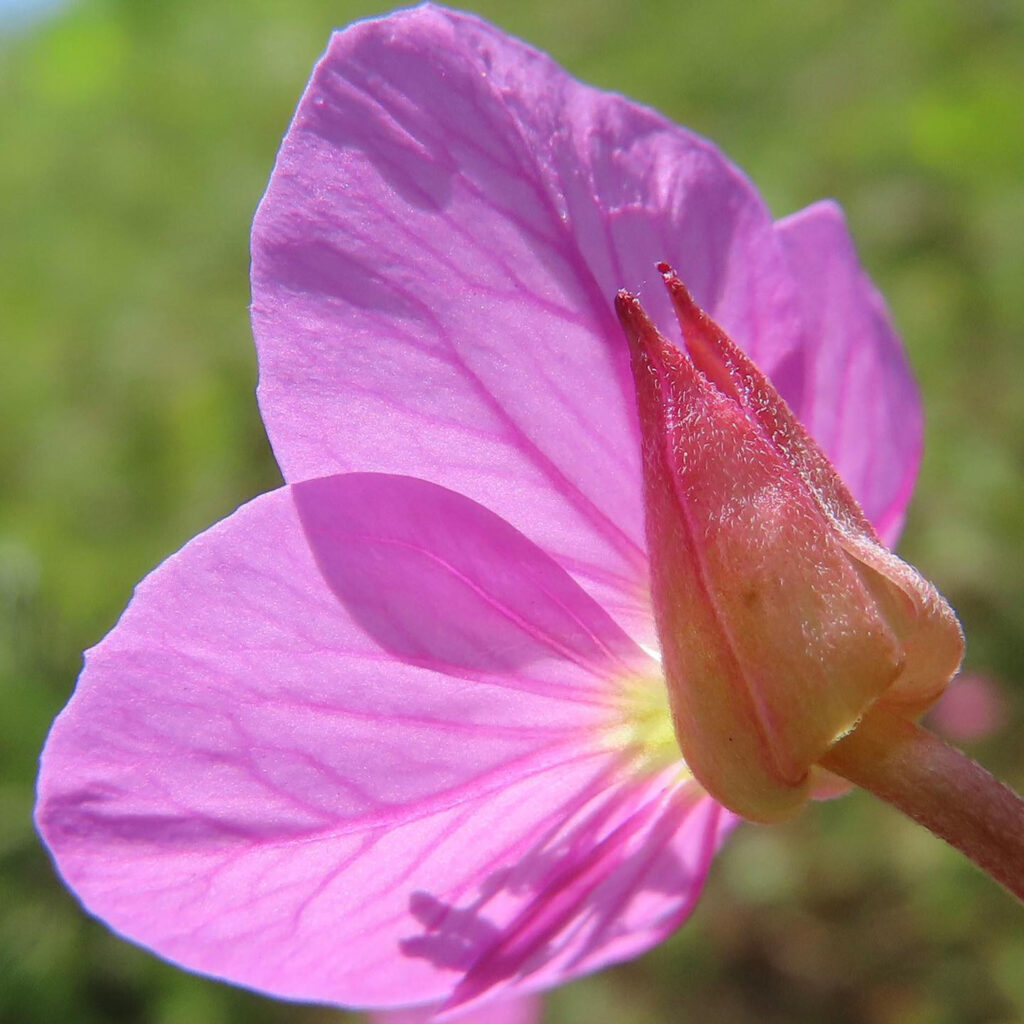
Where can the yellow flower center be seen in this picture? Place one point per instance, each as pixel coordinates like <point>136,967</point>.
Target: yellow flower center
<point>645,728</point>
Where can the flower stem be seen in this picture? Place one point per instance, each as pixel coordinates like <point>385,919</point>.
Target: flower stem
<point>939,787</point>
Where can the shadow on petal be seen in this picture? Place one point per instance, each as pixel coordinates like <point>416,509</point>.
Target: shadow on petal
<point>318,267</point>
<point>633,853</point>
<point>416,167</point>
<point>437,579</point>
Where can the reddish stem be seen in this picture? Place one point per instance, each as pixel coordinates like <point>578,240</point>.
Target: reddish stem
<point>940,788</point>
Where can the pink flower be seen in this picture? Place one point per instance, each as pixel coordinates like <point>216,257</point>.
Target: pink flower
<point>396,732</point>
<point>974,708</point>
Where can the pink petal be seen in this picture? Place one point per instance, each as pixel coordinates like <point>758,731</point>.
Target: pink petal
<point>345,740</point>
<point>852,387</point>
<point>434,265</point>
<point>521,1010</point>
<point>610,900</point>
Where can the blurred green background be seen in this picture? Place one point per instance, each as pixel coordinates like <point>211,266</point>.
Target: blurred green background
<point>136,137</point>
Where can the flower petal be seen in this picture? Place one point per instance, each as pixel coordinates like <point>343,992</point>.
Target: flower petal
<point>520,1010</point>
<point>607,900</point>
<point>852,387</point>
<point>434,265</point>
<point>337,744</point>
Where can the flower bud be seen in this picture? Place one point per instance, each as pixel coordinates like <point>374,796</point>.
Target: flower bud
<point>781,616</point>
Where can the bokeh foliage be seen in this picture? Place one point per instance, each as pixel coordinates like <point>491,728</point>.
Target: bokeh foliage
<point>136,137</point>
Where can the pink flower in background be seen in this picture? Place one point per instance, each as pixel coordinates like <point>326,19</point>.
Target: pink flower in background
<point>974,708</point>
<point>396,732</point>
